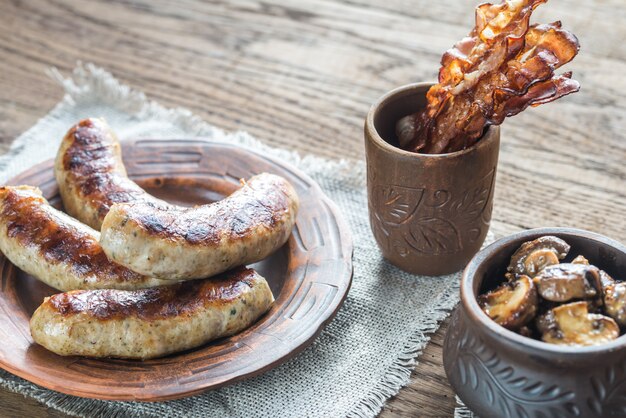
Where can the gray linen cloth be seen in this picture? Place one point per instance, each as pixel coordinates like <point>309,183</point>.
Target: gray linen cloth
<point>462,411</point>
<point>360,360</point>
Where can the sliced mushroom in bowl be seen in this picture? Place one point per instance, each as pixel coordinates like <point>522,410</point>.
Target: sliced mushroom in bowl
<point>512,304</point>
<point>533,256</point>
<point>572,324</point>
<point>568,281</point>
<point>615,302</point>
<point>537,283</point>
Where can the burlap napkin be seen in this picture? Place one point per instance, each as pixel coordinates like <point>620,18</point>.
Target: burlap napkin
<point>360,360</point>
<point>462,411</point>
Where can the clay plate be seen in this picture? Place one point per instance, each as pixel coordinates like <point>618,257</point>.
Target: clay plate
<point>310,277</point>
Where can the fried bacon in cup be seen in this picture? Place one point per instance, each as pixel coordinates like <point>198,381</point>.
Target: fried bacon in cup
<point>501,68</point>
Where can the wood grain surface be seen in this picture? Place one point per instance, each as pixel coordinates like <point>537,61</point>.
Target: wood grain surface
<point>303,74</point>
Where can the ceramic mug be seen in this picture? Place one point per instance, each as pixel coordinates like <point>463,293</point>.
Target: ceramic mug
<point>429,213</point>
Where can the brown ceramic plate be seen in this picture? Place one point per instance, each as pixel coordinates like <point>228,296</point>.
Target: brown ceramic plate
<point>310,277</point>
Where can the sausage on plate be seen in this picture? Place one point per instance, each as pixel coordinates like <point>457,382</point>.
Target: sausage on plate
<point>56,248</point>
<point>190,243</point>
<point>91,175</point>
<point>154,238</point>
<point>149,323</point>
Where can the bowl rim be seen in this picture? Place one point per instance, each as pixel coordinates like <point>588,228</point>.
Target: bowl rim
<point>370,128</point>
<point>477,316</point>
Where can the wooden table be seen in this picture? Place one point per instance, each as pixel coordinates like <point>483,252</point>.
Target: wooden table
<point>302,75</point>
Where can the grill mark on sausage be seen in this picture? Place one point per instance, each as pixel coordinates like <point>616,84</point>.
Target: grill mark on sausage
<point>261,202</point>
<point>33,222</point>
<point>91,164</point>
<point>156,303</point>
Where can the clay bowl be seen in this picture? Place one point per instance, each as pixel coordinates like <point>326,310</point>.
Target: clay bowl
<point>498,373</point>
<point>429,213</point>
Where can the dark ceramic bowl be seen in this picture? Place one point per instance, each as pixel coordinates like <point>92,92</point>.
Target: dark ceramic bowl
<point>498,373</point>
<point>429,213</point>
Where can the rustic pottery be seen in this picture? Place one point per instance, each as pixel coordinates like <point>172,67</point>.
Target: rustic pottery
<point>309,276</point>
<point>429,213</point>
<point>498,373</point>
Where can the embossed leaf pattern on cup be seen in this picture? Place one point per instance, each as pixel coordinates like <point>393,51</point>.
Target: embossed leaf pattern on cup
<point>426,234</point>
<point>474,201</point>
<point>398,203</point>
<point>505,389</point>
<point>435,219</point>
<point>433,236</point>
<point>609,391</point>
<point>383,235</point>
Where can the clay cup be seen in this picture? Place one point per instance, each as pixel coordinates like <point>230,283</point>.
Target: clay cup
<point>429,213</point>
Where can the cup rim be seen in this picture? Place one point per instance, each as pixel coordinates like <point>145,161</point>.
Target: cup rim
<point>478,316</point>
<point>489,135</point>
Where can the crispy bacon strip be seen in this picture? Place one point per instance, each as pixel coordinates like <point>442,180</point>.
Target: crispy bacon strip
<point>502,67</point>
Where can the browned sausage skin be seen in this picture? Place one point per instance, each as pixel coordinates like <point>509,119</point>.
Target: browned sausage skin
<point>56,248</point>
<point>150,323</point>
<point>190,243</point>
<point>91,174</point>
<point>165,241</point>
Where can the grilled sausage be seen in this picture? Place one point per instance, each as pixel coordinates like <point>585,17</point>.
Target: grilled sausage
<point>91,174</point>
<point>190,243</point>
<point>149,323</point>
<point>56,248</point>
<point>166,241</point>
